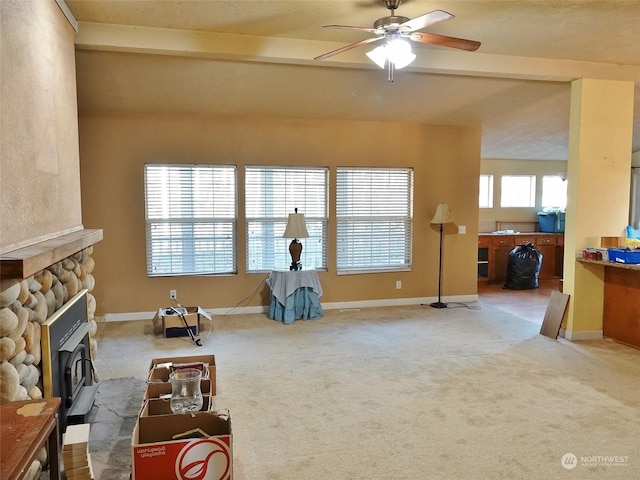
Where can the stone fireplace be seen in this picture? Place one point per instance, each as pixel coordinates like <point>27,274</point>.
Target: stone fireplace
<point>47,322</point>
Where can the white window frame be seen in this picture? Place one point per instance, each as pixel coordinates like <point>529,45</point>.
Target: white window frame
<point>485,195</point>
<point>271,194</point>
<point>554,192</point>
<point>520,194</point>
<point>191,219</point>
<point>374,215</point>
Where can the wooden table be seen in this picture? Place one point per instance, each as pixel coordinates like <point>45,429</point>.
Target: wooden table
<point>25,427</point>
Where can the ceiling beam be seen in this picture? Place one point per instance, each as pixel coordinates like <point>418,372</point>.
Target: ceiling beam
<point>162,41</point>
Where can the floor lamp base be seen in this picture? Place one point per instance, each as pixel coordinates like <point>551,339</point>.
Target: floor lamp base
<point>438,305</point>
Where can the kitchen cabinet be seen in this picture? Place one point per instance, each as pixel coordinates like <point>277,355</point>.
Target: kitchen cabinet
<point>494,249</point>
<point>501,246</point>
<point>484,244</point>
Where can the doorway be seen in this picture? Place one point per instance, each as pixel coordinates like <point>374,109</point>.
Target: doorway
<point>530,304</point>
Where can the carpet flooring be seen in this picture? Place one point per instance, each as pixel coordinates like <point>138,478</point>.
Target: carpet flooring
<point>392,393</point>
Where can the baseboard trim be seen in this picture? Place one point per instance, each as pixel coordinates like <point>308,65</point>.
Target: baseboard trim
<point>389,302</point>
<point>584,335</point>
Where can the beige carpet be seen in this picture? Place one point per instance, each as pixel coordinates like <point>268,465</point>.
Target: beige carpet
<point>404,393</point>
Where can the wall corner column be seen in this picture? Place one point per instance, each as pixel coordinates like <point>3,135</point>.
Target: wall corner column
<point>599,176</point>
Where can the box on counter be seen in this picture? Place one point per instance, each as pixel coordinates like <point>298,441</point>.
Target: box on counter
<point>619,255</point>
<point>177,446</point>
<point>160,369</point>
<point>611,242</point>
<point>168,321</point>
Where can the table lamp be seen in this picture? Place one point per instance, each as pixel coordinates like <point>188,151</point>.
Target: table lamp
<point>296,228</point>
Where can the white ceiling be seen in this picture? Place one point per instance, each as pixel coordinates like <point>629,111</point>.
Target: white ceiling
<point>239,57</point>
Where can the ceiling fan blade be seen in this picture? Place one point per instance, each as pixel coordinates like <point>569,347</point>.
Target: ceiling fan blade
<point>445,41</point>
<point>348,47</point>
<point>425,20</point>
<point>348,27</point>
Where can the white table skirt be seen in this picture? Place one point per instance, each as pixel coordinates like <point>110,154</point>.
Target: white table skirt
<point>284,282</point>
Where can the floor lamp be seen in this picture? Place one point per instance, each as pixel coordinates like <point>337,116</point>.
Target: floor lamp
<point>442,216</point>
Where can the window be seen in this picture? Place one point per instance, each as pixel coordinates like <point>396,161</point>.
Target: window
<point>374,213</point>
<point>518,191</point>
<point>554,192</point>
<point>271,194</point>
<point>191,219</point>
<point>486,191</point>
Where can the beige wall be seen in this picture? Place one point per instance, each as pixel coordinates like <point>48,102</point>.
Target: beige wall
<point>115,146</point>
<point>39,164</point>
<point>498,167</point>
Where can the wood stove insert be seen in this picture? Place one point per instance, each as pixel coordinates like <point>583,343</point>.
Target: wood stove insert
<point>67,368</point>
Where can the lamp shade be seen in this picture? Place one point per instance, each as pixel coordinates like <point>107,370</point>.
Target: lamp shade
<point>378,56</point>
<point>443,215</point>
<point>296,226</point>
<point>399,53</point>
<point>395,51</point>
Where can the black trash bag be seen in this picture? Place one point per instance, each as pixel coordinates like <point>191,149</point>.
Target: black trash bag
<point>523,267</point>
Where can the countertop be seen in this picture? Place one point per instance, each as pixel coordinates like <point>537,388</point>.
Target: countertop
<point>606,263</point>
<point>527,234</point>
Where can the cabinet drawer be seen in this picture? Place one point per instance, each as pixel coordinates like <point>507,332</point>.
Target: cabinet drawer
<point>546,240</point>
<point>503,241</point>
<point>525,240</point>
<point>484,241</point>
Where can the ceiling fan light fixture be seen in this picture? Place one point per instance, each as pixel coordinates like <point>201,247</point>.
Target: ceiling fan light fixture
<point>378,55</point>
<point>399,53</point>
<point>395,51</point>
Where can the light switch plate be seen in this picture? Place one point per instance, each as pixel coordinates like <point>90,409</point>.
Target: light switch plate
<point>462,229</point>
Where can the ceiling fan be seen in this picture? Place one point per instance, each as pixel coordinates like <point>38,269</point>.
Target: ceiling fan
<point>396,52</point>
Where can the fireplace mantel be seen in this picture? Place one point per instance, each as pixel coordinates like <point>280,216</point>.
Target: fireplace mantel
<point>26,261</point>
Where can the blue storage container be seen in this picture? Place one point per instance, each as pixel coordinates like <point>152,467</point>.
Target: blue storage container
<point>551,222</point>
<point>619,255</point>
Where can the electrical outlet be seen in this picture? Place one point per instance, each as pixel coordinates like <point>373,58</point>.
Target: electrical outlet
<point>398,284</point>
<point>173,295</point>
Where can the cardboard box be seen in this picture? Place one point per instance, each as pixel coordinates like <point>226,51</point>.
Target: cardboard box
<point>159,370</point>
<point>157,406</point>
<point>157,456</point>
<point>161,374</point>
<point>611,242</point>
<point>163,389</point>
<point>172,324</point>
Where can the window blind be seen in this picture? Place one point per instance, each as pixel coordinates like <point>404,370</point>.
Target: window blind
<point>190,219</point>
<point>271,194</point>
<point>374,213</point>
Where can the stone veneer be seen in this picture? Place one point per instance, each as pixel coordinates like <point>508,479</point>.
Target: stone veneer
<point>25,304</point>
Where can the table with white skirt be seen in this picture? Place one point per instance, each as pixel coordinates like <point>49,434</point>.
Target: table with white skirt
<point>295,294</point>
